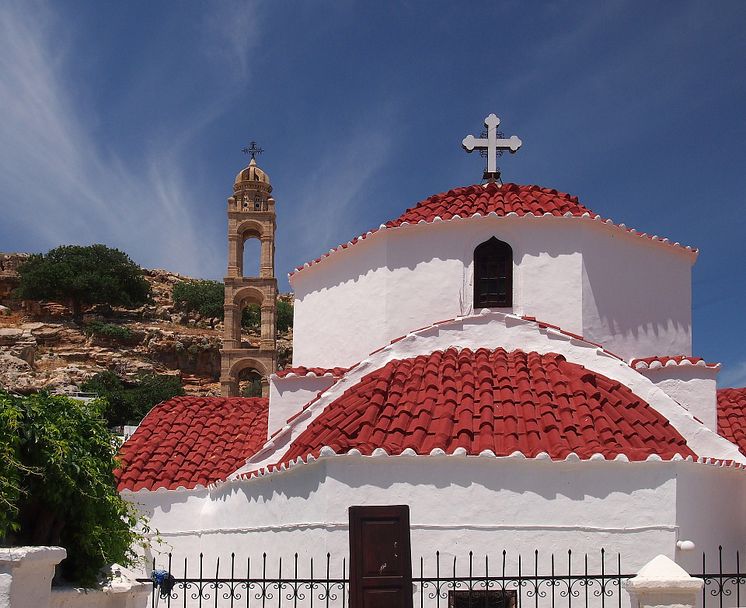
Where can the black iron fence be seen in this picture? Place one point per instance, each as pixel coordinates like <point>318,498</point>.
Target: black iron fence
<point>501,581</point>
<point>723,586</point>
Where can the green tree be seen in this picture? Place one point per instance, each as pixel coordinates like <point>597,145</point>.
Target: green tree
<point>57,484</point>
<point>128,403</point>
<point>251,317</point>
<point>203,297</point>
<point>284,315</point>
<point>83,275</point>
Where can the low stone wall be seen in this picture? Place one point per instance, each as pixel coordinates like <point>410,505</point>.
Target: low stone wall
<point>26,577</point>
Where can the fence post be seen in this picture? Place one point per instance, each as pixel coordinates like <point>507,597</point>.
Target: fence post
<point>663,583</point>
<point>26,575</point>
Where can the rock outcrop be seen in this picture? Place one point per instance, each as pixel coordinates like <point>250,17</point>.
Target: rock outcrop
<point>41,348</point>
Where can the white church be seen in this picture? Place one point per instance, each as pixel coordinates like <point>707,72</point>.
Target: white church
<point>498,368</point>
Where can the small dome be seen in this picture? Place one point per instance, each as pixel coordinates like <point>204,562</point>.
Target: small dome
<point>252,173</point>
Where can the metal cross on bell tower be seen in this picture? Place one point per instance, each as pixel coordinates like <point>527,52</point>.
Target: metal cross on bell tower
<point>252,150</point>
<point>493,144</point>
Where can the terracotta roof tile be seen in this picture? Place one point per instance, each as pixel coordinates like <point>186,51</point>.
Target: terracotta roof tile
<point>732,415</point>
<point>492,198</point>
<point>187,441</point>
<point>490,400</point>
<point>495,199</point>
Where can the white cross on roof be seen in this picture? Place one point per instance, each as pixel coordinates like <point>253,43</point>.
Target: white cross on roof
<point>492,144</point>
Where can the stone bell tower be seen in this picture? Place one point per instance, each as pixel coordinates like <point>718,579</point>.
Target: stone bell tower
<point>251,215</point>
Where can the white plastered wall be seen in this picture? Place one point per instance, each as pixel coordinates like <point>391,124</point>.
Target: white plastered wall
<point>289,394</point>
<point>460,504</point>
<point>693,386</point>
<point>624,291</point>
<point>636,295</point>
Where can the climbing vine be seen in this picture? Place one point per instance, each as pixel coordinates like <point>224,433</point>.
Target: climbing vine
<point>57,484</point>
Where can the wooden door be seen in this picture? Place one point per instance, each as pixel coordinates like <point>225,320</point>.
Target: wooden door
<point>380,557</point>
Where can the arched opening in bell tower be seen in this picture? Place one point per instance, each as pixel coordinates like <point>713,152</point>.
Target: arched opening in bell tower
<point>248,375</point>
<point>251,260</point>
<point>250,233</point>
<point>249,383</point>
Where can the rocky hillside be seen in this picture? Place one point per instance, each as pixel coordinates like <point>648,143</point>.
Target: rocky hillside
<point>41,348</point>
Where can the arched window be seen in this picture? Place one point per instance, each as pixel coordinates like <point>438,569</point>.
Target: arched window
<point>493,274</point>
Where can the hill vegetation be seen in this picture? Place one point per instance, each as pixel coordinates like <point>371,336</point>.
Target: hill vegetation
<point>42,346</point>
<point>83,275</point>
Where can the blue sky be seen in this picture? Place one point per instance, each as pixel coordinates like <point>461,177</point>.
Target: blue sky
<point>123,123</point>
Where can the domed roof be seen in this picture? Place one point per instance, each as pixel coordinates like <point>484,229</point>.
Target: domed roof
<point>492,198</point>
<point>252,173</point>
<point>491,400</point>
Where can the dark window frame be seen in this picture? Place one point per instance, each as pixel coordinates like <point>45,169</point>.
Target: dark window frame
<point>493,274</point>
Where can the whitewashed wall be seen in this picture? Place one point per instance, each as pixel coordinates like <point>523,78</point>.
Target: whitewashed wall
<point>288,395</point>
<point>636,295</point>
<point>459,504</point>
<point>693,386</point>
<point>628,293</point>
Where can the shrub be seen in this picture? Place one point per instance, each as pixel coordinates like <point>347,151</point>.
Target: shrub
<point>284,315</point>
<point>57,484</point>
<point>129,403</point>
<point>251,318</point>
<point>112,331</point>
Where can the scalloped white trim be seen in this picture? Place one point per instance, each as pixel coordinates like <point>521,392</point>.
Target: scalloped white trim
<point>657,363</point>
<point>328,452</point>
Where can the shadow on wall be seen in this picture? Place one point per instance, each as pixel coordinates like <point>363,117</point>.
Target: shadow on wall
<point>549,480</point>
<point>412,246</point>
<point>636,290</point>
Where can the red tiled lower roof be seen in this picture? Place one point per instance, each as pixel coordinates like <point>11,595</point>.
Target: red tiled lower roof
<point>190,441</point>
<point>667,361</point>
<point>490,400</point>
<point>732,416</point>
<point>492,198</point>
<point>335,372</point>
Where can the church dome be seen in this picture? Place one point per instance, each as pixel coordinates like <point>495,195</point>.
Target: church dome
<point>252,173</point>
<point>492,198</point>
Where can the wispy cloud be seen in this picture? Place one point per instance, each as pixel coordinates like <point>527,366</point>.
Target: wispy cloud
<point>333,189</point>
<point>59,184</point>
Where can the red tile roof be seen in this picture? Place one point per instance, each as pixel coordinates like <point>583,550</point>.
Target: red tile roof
<point>189,441</point>
<point>490,400</point>
<point>659,362</point>
<point>335,372</point>
<point>492,198</point>
<point>732,415</point>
